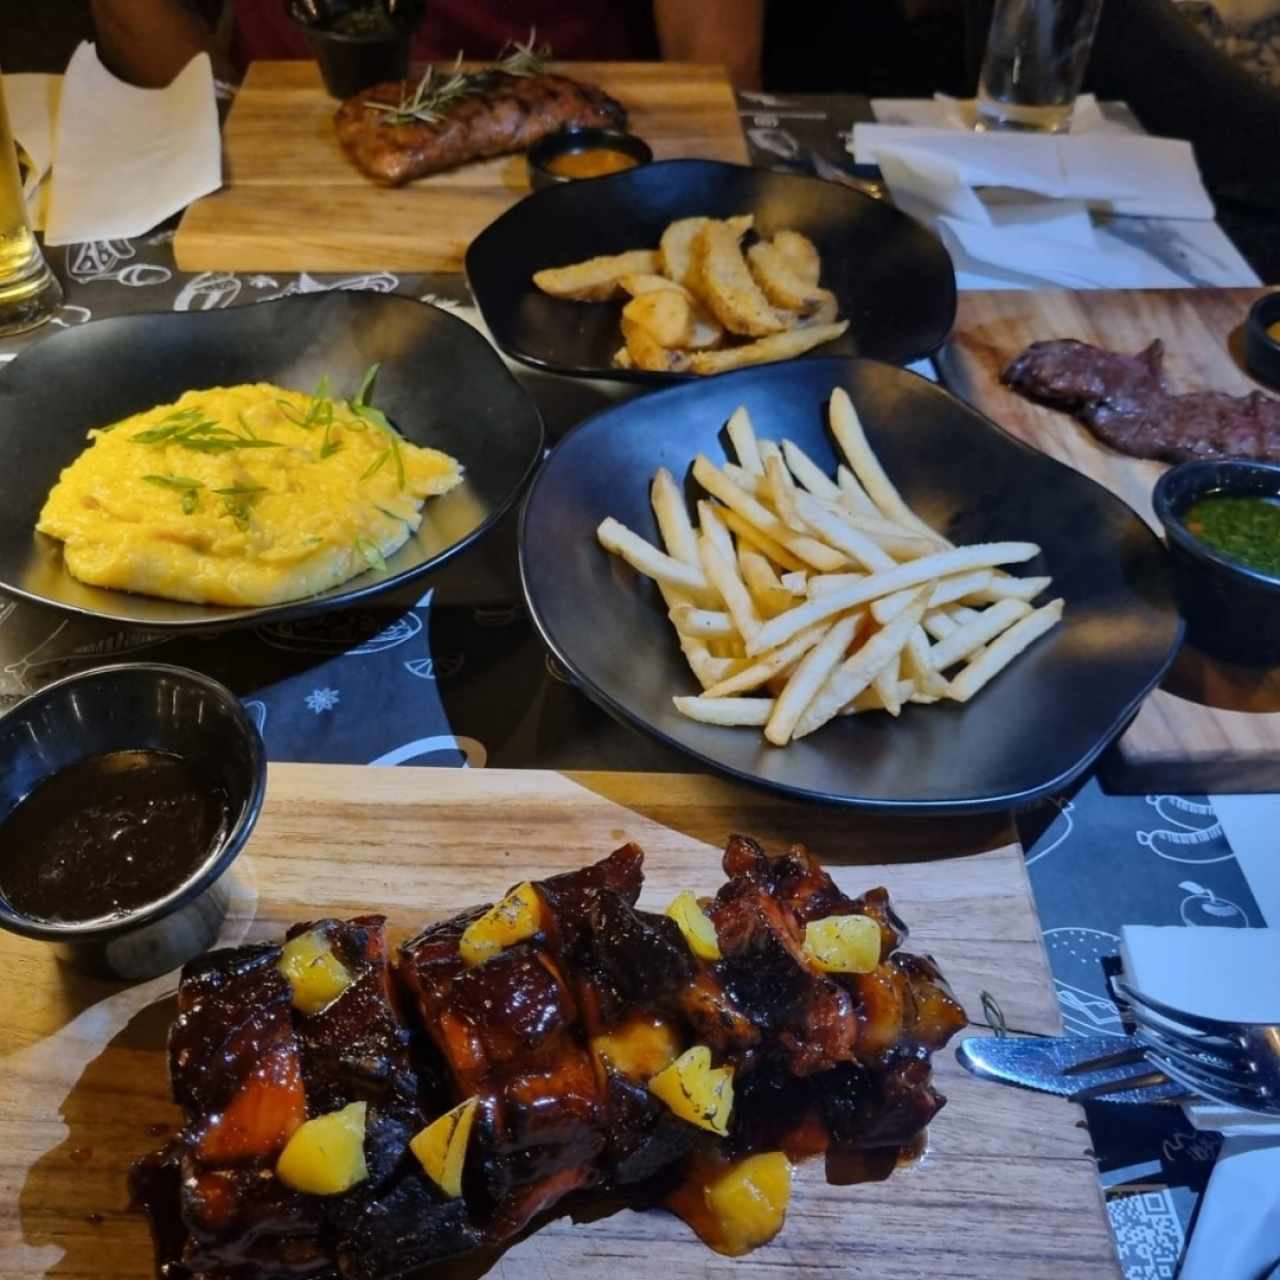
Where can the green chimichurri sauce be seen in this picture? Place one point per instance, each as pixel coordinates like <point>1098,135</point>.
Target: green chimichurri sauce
<point>1246,529</point>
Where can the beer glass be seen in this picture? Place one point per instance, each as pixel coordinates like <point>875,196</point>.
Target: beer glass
<point>29,292</point>
<point>1035,62</point>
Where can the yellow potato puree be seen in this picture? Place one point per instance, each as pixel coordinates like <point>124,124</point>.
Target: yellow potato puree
<point>246,495</point>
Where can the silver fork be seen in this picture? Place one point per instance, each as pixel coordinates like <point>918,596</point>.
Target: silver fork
<point>1236,1064</point>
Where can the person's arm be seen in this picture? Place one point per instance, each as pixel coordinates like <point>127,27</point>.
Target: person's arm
<point>147,42</point>
<point>729,33</point>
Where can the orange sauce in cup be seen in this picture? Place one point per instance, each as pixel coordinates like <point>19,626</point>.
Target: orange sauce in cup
<point>592,163</point>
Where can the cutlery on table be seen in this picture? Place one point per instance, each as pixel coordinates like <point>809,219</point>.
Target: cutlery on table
<point>1171,1057</point>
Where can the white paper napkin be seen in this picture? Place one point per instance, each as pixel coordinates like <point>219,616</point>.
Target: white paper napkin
<point>1232,974</point>
<point>1114,172</point>
<point>124,158</point>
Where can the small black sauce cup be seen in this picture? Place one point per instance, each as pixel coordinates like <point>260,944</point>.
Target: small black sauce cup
<point>351,60</point>
<point>129,707</point>
<point>1232,611</point>
<point>567,141</point>
<point>1261,350</point>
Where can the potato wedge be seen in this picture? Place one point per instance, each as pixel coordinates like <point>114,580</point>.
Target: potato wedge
<point>647,352</point>
<point>801,255</point>
<point>665,314</point>
<point>704,331</point>
<point>721,278</point>
<point>779,346</point>
<point>781,285</point>
<point>675,249</point>
<point>596,279</point>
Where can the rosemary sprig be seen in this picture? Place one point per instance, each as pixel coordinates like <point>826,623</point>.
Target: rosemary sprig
<point>436,94</point>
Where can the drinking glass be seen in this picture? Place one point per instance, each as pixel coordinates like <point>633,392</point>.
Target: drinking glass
<point>1035,62</point>
<point>29,292</point>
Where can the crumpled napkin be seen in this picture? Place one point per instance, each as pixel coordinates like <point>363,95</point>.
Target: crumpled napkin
<point>1115,172</point>
<point>125,159</point>
<point>1228,974</point>
<point>1022,210</point>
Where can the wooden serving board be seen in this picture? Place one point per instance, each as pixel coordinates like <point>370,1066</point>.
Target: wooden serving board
<point>292,201</point>
<point>1210,726</point>
<point>1006,1187</point>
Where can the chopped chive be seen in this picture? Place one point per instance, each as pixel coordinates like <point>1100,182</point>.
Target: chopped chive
<point>371,553</point>
<point>377,464</point>
<point>366,385</point>
<point>189,501</point>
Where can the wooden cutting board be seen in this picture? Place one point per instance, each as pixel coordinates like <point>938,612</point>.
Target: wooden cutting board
<point>1210,726</point>
<point>292,201</point>
<point>1006,1187</point>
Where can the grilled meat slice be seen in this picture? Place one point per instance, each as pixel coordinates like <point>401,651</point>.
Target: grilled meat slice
<point>508,113</point>
<point>1124,401</point>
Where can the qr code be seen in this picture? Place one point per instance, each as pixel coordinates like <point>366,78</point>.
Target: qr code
<point>1148,1234</point>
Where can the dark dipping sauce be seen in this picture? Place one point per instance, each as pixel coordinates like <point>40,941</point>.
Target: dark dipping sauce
<point>108,835</point>
<point>1243,528</point>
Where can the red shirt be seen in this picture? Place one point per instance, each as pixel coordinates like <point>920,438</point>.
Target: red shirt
<point>597,30</point>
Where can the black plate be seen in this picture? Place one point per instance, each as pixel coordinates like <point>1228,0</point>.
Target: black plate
<point>441,383</point>
<point>1028,733</point>
<point>893,277</point>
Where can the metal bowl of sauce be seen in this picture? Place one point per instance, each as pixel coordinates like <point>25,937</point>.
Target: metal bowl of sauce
<point>125,793</point>
<point>573,154</point>
<point>1222,521</point>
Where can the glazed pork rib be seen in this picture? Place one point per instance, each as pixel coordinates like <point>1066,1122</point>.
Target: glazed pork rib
<point>556,1037</point>
<point>508,113</point>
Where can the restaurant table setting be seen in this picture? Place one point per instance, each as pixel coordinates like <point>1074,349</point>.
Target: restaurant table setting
<point>451,670</point>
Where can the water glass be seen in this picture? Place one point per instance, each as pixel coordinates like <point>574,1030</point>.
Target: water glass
<point>29,292</point>
<point>1035,62</point>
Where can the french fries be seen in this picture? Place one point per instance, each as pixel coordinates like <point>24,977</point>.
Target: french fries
<point>795,603</point>
<point>702,304</point>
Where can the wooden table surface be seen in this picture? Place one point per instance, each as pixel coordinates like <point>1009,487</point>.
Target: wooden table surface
<point>1006,1187</point>
<point>1211,726</point>
<point>292,201</point>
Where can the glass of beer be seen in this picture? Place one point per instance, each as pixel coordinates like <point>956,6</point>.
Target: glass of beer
<point>1035,62</point>
<point>29,292</point>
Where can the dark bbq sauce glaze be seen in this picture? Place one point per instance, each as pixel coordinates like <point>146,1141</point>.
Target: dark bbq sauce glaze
<point>108,835</point>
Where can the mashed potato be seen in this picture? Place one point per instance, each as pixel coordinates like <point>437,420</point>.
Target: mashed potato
<point>246,495</point>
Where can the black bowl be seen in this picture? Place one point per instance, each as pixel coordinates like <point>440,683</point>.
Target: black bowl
<point>135,706</point>
<point>441,383</point>
<point>1232,611</point>
<point>568,141</point>
<point>893,278</point>
<point>1029,733</point>
<point>1261,350</point>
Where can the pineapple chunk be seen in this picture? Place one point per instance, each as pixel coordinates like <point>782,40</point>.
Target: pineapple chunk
<point>843,944</point>
<point>695,1091</point>
<point>325,1156</point>
<point>315,975</point>
<point>696,926</point>
<point>441,1147</point>
<point>748,1203</point>
<point>639,1048</point>
<point>517,917</point>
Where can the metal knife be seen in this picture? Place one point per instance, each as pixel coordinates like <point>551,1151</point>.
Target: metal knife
<point>1082,1068</point>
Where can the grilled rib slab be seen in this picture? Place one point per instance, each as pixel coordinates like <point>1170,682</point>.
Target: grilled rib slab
<point>509,113</point>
